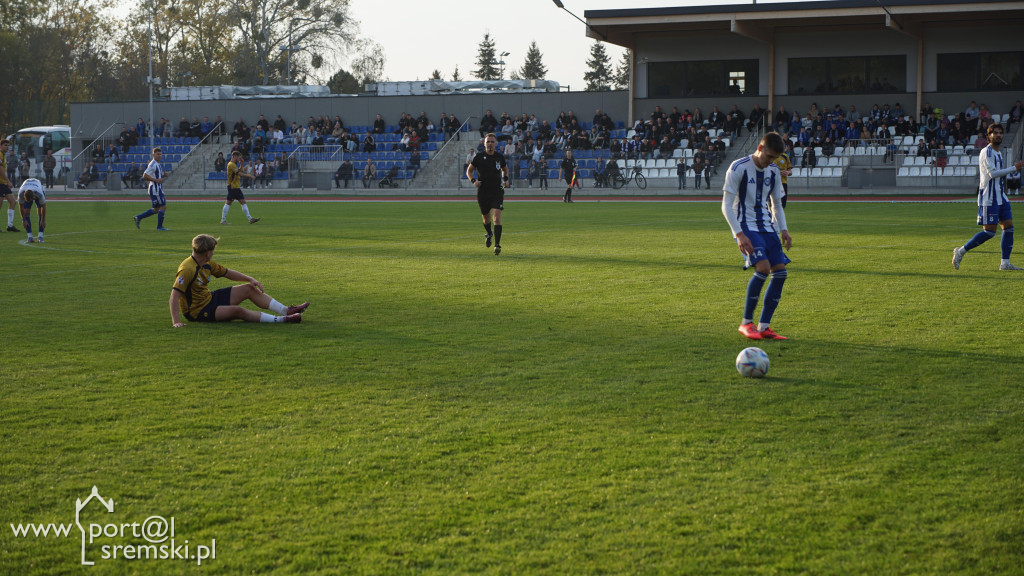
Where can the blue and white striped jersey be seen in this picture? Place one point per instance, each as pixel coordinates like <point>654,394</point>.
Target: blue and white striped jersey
<point>993,171</point>
<point>746,194</point>
<point>156,171</point>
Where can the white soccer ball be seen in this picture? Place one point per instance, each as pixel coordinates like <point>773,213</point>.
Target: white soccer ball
<point>752,363</point>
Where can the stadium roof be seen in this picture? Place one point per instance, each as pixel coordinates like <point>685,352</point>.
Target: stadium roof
<point>759,21</point>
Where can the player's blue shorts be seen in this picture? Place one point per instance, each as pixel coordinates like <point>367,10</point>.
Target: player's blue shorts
<point>221,297</point>
<point>157,199</point>
<point>994,214</point>
<point>767,246</point>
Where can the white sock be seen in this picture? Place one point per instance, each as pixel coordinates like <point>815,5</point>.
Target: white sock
<point>245,209</point>
<point>1006,260</point>
<point>276,307</point>
<point>224,213</point>
<point>761,326</point>
<point>40,234</point>
<point>10,217</point>
<point>264,317</point>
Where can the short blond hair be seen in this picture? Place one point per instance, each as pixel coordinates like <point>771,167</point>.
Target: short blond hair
<point>204,243</point>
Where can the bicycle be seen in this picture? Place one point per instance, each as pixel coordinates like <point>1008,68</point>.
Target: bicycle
<point>618,180</point>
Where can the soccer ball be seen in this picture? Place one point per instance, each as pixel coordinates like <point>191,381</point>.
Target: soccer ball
<point>752,363</point>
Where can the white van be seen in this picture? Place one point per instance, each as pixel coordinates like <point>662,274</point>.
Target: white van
<point>37,140</point>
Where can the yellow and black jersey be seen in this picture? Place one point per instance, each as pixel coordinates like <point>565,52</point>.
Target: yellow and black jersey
<point>193,282</point>
<point>784,164</point>
<point>234,180</point>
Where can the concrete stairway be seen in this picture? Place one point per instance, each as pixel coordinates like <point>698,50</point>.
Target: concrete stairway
<point>190,174</point>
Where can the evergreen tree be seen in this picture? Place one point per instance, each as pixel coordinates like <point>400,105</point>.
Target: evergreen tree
<point>485,60</point>
<point>456,77</point>
<point>435,75</point>
<point>599,74</point>
<point>621,77</point>
<point>533,68</point>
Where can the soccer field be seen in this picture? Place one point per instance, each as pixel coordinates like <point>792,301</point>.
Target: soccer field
<point>568,407</point>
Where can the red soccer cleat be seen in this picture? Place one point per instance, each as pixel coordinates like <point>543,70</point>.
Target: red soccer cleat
<point>296,309</point>
<point>769,334</point>
<point>293,319</point>
<point>750,331</point>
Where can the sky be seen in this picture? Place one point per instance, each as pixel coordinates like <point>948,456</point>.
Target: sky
<point>420,36</point>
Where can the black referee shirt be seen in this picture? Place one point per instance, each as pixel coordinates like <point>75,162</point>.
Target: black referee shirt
<point>488,169</point>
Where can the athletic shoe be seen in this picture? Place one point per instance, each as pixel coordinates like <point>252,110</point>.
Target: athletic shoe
<point>487,240</point>
<point>40,240</point>
<point>1008,266</point>
<point>162,228</point>
<point>293,318</point>
<point>296,309</point>
<point>497,249</point>
<point>225,222</point>
<point>31,240</point>
<point>12,229</point>
<point>750,331</point>
<point>958,255</point>
<point>769,334</point>
<point>136,220</point>
<point>254,220</point>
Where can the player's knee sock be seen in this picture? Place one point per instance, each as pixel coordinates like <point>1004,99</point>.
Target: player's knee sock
<point>10,217</point>
<point>224,212</point>
<point>497,233</point>
<point>568,193</point>
<point>1006,242</point>
<point>276,307</point>
<point>487,226</point>
<point>160,219</point>
<point>979,239</point>
<point>245,210</point>
<point>772,295</point>
<point>146,214</point>
<point>41,226</point>
<point>264,317</point>
<point>753,295</point>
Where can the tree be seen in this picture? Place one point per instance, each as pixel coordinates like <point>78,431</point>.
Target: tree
<point>533,68</point>
<point>316,27</point>
<point>621,77</point>
<point>435,75</point>
<point>599,74</point>
<point>485,60</point>
<point>368,65</point>
<point>456,77</point>
<point>343,82</point>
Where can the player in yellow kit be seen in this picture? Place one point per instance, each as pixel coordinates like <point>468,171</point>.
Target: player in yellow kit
<point>191,296</point>
<point>5,185</point>
<point>235,176</point>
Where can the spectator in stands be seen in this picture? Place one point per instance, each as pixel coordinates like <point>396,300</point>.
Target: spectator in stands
<point>959,134</point>
<point>219,128</point>
<point>941,158</point>
<point>923,150</point>
<point>971,115</point>
<point>195,127</point>
<point>378,125</point>
<point>942,134</point>
<point>423,119</point>
<point>133,177</point>
<point>282,164</point>
<point>414,162</point>
<point>754,118</point>
<point>90,174</point>
<point>183,127</point>
<point>507,130</point>
<point>97,154</point>
<point>112,154</point>
<point>828,148</point>
<point>280,124</point>
<point>865,135</point>
<point>49,165</point>
<point>220,164</point>
<point>717,118</point>
<point>1015,114</point>
<point>488,123</point>
<point>890,149</point>
<point>980,141</point>
<point>336,134</point>
<point>810,159</point>
<point>159,130</point>
<point>698,169</point>
<point>368,144</point>
<point>239,131</point>
<point>344,173</point>
<point>542,173</point>
<point>277,136</point>
<point>369,173</point>
<point>453,127</point>
<point>141,128</point>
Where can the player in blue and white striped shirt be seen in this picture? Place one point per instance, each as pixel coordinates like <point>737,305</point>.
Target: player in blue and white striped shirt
<point>993,205</point>
<point>752,205</point>
<point>155,175</point>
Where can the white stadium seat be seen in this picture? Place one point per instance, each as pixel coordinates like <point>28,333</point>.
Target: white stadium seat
<point>904,171</point>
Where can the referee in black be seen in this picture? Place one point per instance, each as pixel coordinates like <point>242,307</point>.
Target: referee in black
<point>568,171</point>
<point>484,172</point>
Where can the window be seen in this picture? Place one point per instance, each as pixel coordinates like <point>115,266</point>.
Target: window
<point>701,78</point>
<point>980,71</point>
<point>848,75</point>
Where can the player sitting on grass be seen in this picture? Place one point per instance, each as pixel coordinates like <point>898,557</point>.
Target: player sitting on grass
<point>191,296</point>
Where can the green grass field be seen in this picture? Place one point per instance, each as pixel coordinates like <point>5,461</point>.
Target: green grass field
<point>569,407</point>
